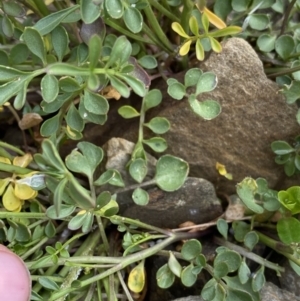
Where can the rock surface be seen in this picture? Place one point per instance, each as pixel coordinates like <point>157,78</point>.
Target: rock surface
<point>254,114</point>
<point>195,201</point>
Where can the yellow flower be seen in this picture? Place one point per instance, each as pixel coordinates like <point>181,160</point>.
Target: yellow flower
<point>13,192</point>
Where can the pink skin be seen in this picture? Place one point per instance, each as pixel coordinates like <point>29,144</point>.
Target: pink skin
<point>15,282</point>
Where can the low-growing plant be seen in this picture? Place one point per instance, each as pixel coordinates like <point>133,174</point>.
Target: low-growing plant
<point>57,213</point>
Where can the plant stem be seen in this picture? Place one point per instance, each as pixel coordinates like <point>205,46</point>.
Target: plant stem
<point>7,214</point>
<point>157,28</point>
<point>12,148</point>
<point>163,10</point>
<point>248,254</point>
<point>102,233</point>
<point>127,33</point>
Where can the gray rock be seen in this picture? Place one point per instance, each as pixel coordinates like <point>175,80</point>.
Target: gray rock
<point>195,201</point>
<point>289,279</point>
<point>254,114</point>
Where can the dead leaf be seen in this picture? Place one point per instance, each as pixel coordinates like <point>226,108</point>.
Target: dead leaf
<point>30,120</point>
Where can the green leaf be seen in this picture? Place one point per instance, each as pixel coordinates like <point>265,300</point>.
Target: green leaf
<point>179,30</point>
<point>13,8</point>
<point>171,172</point>
<point>50,153</point>
<point>48,23</point>
<point>215,45</point>
<point>65,211</point>
<point>206,83</point>
<point>207,109</point>
<point>227,31</point>
<point>9,74</point>
<point>259,280</point>
<point>133,19</point>
<point>138,169</point>
<point>69,84</point>
<point>119,86</point>
<point>251,239</point>
<point>152,99</point>
<point>74,119</point>
<point>111,176</point>
<point>194,25</point>
<point>7,26</point>
<point>222,8</point>
<point>185,47</point>
<point>95,46</point>
<point>18,54</point>
<point>191,249</point>
<point>48,283</point>
<point>290,199</point>
<point>114,8</point>
<point>80,195</point>
<point>140,196</point>
<point>208,292</point>
<point>50,229</point>
<point>157,144</point>
<point>266,42</point>
<point>244,272</point>
<point>90,11</point>
<point>238,295</point>
<point>199,50</point>
<point>246,190</point>
<point>240,230</point>
<point>176,90</point>
<point>88,222</point>
<point>240,5</point>
<point>76,162</point>
<point>222,227</point>
<point>95,103</point>
<point>220,270</point>
<point>103,199</point>
<point>164,277</point>
<point>259,21</point>
<point>77,221</point>
<point>128,112</point>
<point>136,84</point>
<point>231,258</point>
<point>49,88</point>
<point>188,278</point>
<point>58,194</point>
<point>120,52</point>
<point>110,209</point>
<point>60,41</point>
<point>158,125</point>
<point>291,92</point>
<point>289,230</point>
<point>284,46</point>
<point>35,43</point>
<point>281,148</point>
<point>174,265</point>
<point>50,126</point>
<point>94,154</point>
<point>148,62</point>
<point>192,77</point>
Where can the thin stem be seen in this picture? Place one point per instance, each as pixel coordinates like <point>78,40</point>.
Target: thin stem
<point>7,214</point>
<point>286,16</point>
<point>126,32</point>
<point>157,28</point>
<point>33,249</point>
<point>248,254</point>
<point>139,224</point>
<point>163,10</point>
<point>12,148</point>
<point>134,186</point>
<point>102,233</point>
